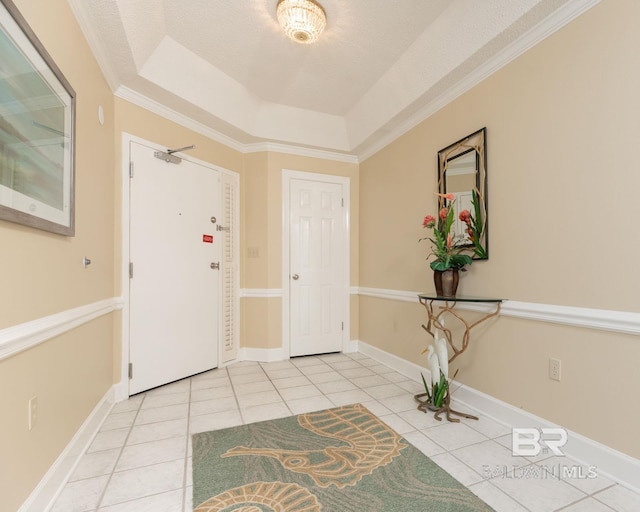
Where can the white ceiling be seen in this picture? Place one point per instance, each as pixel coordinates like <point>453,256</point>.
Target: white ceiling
<point>225,68</point>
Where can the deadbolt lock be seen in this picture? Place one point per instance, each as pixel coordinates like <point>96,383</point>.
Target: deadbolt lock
<point>213,220</point>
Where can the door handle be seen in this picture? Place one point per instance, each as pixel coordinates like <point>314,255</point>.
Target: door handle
<point>215,266</point>
<point>295,277</point>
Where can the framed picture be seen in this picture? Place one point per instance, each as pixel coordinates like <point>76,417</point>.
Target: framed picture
<point>37,118</point>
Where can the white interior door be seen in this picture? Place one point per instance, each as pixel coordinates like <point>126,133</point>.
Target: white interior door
<point>317,267</point>
<point>174,292</point>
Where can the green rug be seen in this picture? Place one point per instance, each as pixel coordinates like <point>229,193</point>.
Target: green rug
<point>338,460</point>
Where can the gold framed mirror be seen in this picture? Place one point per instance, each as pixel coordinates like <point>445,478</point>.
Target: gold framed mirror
<point>462,173</point>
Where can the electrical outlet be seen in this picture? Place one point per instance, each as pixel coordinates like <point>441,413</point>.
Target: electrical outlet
<point>554,369</point>
<point>33,412</point>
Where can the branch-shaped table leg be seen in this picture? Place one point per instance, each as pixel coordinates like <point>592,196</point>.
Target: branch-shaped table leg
<point>425,405</point>
<point>435,322</point>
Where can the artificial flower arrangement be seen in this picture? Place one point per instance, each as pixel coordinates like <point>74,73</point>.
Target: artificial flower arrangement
<point>447,249</point>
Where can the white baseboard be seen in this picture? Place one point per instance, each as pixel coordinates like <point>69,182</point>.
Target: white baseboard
<point>610,463</point>
<point>269,355</point>
<point>263,355</point>
<point>44,495</point>
<point>260,293</point>
<point>350,346</point>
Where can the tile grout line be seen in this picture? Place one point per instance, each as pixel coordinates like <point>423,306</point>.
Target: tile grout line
<point>594,495</point>
<point>587,495</point>
<point>235,394</point>
<point>276,387</point>
<point>124,444</point>
<point>186,448</point>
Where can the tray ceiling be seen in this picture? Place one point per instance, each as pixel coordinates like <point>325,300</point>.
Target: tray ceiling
<point>379,68</point>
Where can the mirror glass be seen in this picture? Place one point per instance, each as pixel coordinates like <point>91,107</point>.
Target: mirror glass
<point>462,172</point>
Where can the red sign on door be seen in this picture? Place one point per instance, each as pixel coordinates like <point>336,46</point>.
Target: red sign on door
<point>207,239</point>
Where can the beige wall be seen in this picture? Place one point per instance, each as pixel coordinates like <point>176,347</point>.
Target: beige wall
<point>42,274</point>
<point>562,125</point>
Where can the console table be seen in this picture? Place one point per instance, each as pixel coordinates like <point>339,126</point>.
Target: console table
<point>436,321</point>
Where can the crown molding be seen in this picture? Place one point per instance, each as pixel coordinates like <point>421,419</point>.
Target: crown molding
<point>553,23</point>
<point>301,151</point>
<point>158,108</point>
<point>535,35</point>
<point>79,9</point>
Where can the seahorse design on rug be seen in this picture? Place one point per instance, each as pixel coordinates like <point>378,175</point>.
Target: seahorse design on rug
<point>367,444</point>
<point>276,496</point>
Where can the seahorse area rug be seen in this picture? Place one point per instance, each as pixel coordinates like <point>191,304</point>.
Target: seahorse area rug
<point>337,460</point>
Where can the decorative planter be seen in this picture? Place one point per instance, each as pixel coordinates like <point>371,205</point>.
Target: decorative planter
<point>446,282</point>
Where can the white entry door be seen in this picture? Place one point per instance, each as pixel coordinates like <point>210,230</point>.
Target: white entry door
<point>317,267</point>
<point>174,291</point>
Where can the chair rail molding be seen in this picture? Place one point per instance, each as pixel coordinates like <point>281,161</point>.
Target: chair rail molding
<point>23,336</point>
<point>626,322</point>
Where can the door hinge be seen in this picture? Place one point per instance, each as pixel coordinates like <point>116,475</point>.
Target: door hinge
<point>343,326</point>
<point>343,202</point>
<point>130,270</point>
<point>130,169</point>
<point>130,371</point>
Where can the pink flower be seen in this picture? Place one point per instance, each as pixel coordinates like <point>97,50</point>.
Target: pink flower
<point>429,221</point>
<point>450,197</point>
<point>465,216</point>
<point>443,213</point>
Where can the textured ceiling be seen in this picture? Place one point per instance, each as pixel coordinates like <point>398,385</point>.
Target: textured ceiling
<point>379,66</point>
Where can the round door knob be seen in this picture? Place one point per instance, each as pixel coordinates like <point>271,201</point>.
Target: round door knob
<point>295,277</point>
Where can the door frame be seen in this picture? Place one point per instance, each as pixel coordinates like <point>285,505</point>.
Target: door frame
<point>122,388</point>
<point>287,176</point>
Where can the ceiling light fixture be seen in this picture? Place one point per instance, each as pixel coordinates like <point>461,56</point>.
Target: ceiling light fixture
<point>302,20</point>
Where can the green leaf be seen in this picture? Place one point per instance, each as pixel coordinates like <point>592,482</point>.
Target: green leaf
<point>460,260</point>
<point>438,397</point>
<point>475,200</point>
<point>439,265</point>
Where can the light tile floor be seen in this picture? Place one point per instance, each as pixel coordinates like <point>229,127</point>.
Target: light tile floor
<point>140,460</point>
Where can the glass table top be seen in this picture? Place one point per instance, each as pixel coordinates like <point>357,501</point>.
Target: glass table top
<point>458,298</point>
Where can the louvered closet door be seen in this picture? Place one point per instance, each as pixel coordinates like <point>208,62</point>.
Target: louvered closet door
<point>230,267</point>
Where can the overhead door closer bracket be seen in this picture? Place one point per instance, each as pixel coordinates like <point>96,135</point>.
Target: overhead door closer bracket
<point>168,155</point>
